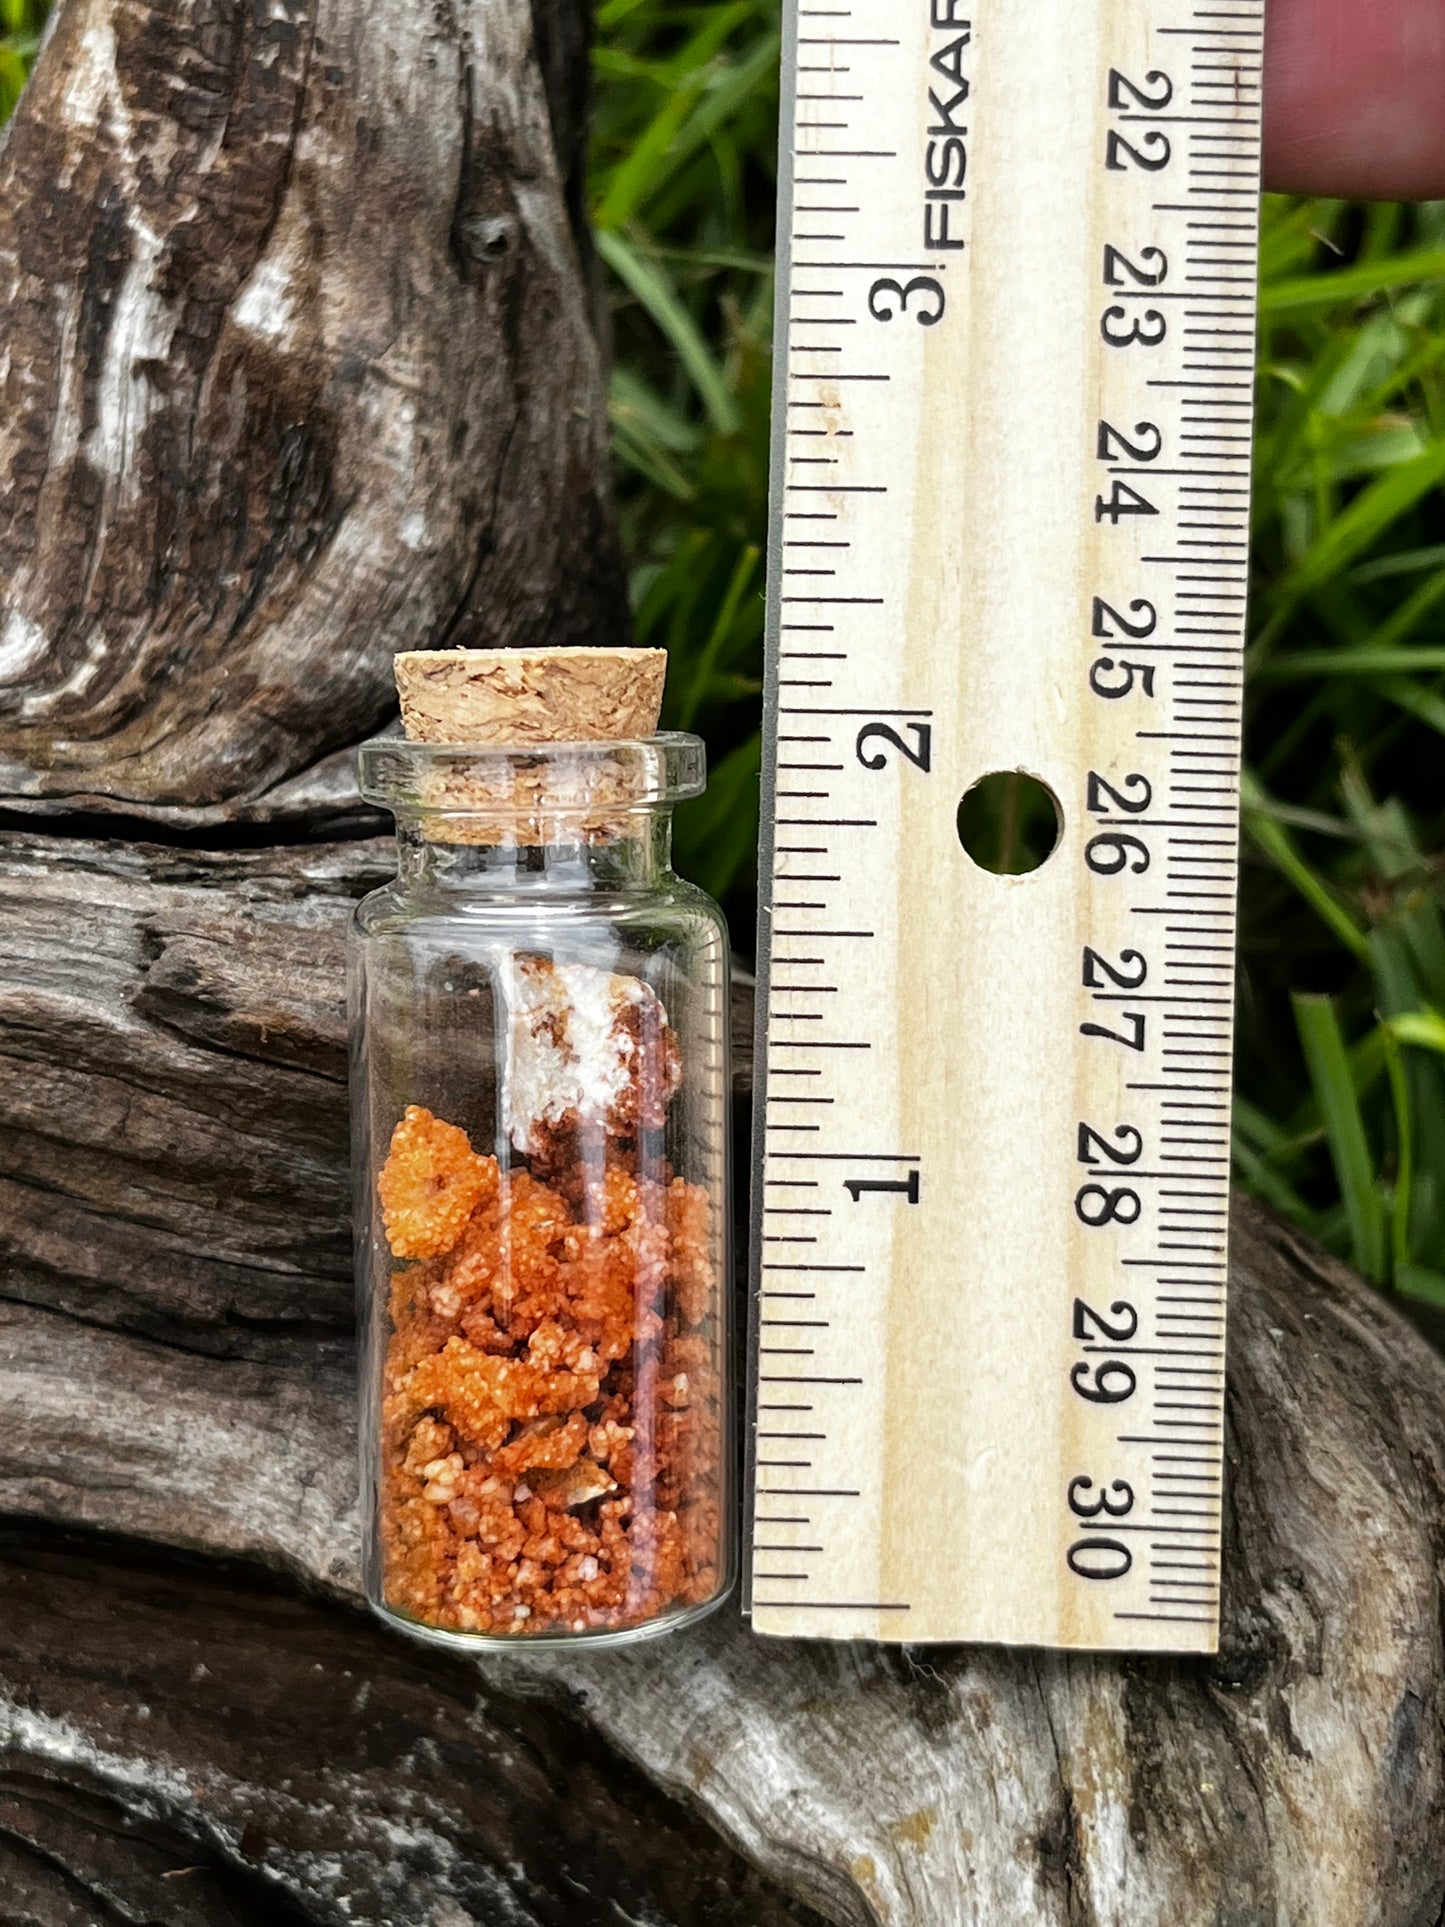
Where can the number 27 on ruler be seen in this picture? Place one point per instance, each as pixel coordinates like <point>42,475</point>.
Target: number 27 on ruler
<point>1010,508</point>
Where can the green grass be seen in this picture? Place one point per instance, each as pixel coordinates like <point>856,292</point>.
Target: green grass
<point>20,25</point>
<point>1340,1118</point>
<point>684,181</point>
<point>1341,1077</point>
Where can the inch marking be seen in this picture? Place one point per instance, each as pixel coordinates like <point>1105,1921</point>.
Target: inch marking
<point>886,628</point>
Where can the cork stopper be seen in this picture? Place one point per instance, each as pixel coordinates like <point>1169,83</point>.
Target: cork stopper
<point>529,718</point>
<point>530,695</point>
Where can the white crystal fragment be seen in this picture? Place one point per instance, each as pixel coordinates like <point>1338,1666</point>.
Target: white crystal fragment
<point>572,1053</point>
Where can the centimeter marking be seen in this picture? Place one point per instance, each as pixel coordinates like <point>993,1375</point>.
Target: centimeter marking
<point>1010,531</point>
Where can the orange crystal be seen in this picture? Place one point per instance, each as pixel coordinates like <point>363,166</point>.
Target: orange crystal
<point>431,1184</point>
<point>552,1420</point>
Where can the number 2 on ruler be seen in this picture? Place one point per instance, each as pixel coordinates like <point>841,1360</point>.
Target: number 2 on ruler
<point>1009,532</point>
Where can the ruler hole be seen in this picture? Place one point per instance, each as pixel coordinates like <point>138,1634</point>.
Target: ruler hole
<point>1010,823</point>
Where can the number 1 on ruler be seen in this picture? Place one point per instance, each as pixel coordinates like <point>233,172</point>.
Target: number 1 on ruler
<point>1009,533</point>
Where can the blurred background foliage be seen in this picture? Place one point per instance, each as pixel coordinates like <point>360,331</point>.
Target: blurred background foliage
<point>20,25</point>
<point>1340,1119</point>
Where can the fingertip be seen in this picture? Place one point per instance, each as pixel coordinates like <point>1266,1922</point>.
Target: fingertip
<point>1353,98</point>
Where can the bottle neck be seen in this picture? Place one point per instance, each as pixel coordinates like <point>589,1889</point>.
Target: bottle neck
<point>635,853</point>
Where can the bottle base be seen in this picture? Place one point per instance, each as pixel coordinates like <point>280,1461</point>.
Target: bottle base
<point>591,1640</point>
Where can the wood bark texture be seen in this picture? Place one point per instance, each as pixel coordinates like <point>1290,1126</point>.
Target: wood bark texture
<point>200,1725</point>
<point>297,369</point>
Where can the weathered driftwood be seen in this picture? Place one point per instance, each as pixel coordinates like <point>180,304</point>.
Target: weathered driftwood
<point>297,368</point>
<point>172,1025</point>
<point>206,1752</point>
<point>173,1028</point>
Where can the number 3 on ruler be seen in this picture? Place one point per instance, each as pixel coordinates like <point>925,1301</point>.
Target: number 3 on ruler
<point>887,299</point>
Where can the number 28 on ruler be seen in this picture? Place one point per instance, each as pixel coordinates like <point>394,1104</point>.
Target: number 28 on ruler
<point>1011,478</point>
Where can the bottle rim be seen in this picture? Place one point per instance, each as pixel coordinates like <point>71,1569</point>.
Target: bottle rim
<point>525,779</point>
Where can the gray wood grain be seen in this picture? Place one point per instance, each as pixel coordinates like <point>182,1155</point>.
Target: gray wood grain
<point>173,1141</point>
<point>185,1746</point>
<point>299,370</point>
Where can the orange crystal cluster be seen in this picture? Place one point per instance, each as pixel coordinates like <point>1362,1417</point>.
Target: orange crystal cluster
<point>551,1418</point>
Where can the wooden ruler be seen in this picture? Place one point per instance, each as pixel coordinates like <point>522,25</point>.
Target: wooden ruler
<point>1010,529</point>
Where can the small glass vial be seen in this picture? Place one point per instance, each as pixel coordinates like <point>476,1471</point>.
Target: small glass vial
<point>540,1090</point>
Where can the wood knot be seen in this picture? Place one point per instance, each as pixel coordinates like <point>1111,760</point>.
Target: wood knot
<point>487,239</point>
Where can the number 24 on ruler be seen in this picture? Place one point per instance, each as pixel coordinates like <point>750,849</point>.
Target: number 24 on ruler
<point>1009,534</point>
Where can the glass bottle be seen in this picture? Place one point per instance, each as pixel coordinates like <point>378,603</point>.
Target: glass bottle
<point>540,1086</point>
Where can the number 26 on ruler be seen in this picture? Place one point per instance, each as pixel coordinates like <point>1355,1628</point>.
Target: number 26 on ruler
<point>1128,324</point>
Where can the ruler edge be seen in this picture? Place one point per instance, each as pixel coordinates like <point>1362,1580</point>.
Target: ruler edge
<point>777,454</point>
<point>767,799</point>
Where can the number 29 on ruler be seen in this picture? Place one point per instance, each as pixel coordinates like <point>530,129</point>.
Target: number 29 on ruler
<point>1009,529</point>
